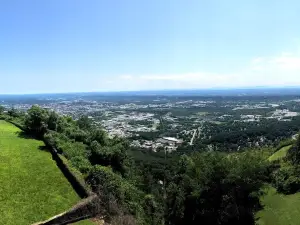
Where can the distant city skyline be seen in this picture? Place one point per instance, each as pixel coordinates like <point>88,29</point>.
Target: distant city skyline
<point>56,46</point>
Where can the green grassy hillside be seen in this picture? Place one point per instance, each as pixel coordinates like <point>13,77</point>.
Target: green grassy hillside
<point>281,153</point>
<point>32,187</point>
<point>279,209</point>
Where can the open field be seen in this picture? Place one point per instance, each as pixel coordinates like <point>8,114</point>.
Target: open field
<point>281,153</point>
<point>32,187</point>
<point>279,209</point>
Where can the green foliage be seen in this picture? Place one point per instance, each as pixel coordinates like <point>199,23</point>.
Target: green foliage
<point>112,187</point>
<point>84,123</point>
<point>12,112</point>
<point>100,136</point>
<point>279,209</point>
<point>2,109</point>
<point>73,149</point>
<point>81,163</point>
<point>280,153</point>
<point>232,135</point>
<point>216,188</point>
<point>55,140</point>
<point>294,153</point>
<point>36,121</point>
<point>285,143</point>
<point>286,180</point>
<point>153,209</point>
<point>111,155</point>
<point>53,119</point>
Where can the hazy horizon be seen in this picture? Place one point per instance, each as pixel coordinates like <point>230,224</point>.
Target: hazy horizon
<point>202,90</point>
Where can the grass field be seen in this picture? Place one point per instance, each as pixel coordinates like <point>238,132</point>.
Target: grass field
<point>32,187</point>
<point>279,209</point>
<point>281,153</point>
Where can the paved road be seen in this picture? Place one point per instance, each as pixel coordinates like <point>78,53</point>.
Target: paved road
<point>194,135</point>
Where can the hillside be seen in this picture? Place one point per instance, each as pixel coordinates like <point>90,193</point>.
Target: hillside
<point>130,185</point>
<point>32,187</point>
<point>281,153</point>
<point>279,209</point>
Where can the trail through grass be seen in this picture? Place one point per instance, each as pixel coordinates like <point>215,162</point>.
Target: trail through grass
<point>32,188</point>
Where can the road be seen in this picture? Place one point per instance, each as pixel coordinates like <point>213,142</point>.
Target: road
<point>194,135</point>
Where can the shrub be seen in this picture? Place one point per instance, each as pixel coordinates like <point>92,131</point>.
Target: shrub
<point>285,143</point>
<point>73,149</point>
<point>81,163</point>
<point>286,180</point>
<point>110,185</point>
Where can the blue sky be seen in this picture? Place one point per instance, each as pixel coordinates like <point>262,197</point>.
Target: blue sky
<point>112,45</point>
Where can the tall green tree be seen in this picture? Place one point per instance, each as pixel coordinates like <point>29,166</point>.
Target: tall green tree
<point>215,188</point>
<point>84,123</point>
<point>13,112</point>
<point>53,121</point>
<point>2,109</point>
<point>36,121</point>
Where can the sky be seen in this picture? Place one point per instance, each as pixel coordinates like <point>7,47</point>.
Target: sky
<point>55,46</point>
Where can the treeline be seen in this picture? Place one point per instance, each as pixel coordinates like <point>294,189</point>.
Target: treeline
<point>287,177</point>
<point>138,187</point>
<point>233,136</point>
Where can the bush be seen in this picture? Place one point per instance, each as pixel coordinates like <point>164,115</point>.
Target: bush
<point>74,149</point>
<point>286,180</point>
<point>55,140</point>
<point>109,185</point>
<point>81,163</point>
<point>285,143</point>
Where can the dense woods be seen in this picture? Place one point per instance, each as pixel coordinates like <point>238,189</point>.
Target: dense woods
<point>158,188</point>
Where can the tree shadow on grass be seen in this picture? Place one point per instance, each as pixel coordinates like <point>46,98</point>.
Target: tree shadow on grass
<point>44,148</point>
<point>22,134</point>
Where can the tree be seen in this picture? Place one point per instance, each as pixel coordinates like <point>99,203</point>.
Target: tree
<point>215,188</point>
<point>294,153</point>
<point>53,121</point>
<point>100,136</point>
<point>84,123</point>
<point>12,112</point>
<point>2,109</point>
<point>36,121</point>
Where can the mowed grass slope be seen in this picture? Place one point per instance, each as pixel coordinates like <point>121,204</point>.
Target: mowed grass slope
<point>279,209</point>
<point>32,188</point>
<point>280,154</point>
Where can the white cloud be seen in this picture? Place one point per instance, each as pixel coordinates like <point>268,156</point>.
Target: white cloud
<point>126,77</point>
<point>280,70</point>
<point>258,60</point>
<point>177,77</point>
<point>286,62</point>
